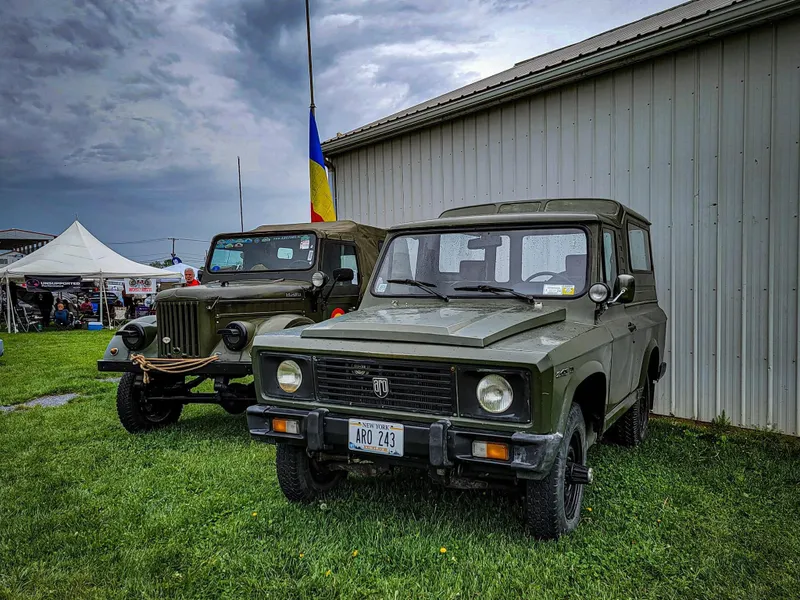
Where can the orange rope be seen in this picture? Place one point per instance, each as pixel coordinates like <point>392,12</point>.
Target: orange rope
<point>172,366</point>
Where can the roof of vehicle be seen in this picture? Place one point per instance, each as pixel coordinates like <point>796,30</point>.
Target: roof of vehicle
<point>327,229</point>
<point>556,210</point>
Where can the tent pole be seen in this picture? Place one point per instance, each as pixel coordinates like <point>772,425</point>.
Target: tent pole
<point>101,300</point>
<point>8,304</point>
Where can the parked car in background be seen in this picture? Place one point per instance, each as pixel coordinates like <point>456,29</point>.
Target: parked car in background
<point>2,348</point>
<point>493,347</point>
<point>272,278</point>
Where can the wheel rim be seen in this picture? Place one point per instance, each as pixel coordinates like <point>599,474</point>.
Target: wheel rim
<point>572,491</point>
<point>155,413</point>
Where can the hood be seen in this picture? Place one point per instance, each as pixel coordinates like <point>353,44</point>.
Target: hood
<point>471,326</point>
<point>240,290</point>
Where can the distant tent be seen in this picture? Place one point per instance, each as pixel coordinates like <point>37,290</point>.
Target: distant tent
<point>77,252</point>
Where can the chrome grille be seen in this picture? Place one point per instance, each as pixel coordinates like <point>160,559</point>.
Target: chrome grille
<point>178,322</point>
<point>421,387</point>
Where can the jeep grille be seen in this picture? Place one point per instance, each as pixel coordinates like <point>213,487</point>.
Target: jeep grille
<point>421,387</point>
<point>178,322</point>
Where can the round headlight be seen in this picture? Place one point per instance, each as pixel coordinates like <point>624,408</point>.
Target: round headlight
<point>495,394</point>
<point>318,279</point>
<point>599,293</point>
<point>133,336</point>
<point>234,336</point>
<point>289,376</point>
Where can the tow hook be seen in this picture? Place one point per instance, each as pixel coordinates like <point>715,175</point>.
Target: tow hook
<point>579,474</point>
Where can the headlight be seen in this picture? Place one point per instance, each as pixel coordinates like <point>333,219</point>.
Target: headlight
<point>289,376</point>
<point>133,336</point>
<point>318,279</point>
<point>234,336</point>
<point>495,394</point>
<point>599,293</point>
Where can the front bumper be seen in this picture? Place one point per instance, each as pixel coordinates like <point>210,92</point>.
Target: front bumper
<point>229,369</point>
<point>437,445</point>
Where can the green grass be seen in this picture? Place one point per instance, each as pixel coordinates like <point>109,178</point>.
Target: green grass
<point>88,511</point>
<point>50,362</point>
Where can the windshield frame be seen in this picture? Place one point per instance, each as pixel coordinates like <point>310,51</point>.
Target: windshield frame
<point>317,245</point>
<point>590,256</point>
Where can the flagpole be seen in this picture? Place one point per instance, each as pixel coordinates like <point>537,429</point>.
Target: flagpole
<point>310,65</point>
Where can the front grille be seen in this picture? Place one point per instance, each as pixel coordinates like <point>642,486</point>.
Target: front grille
<point>178,322</point>
<point>421,387</point>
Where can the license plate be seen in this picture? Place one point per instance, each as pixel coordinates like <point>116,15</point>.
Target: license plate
<point>376,437</point>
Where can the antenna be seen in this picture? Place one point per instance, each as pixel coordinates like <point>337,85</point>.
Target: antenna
<point>241,215</point>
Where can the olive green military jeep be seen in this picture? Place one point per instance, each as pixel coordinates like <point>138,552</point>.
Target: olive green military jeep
<point>267,279</point>
<point>495,345</point>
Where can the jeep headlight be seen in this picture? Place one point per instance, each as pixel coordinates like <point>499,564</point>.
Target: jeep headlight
<point>235,336</point>
<point>289,376</point>
<point>495,394</point>
<point>136,336</point>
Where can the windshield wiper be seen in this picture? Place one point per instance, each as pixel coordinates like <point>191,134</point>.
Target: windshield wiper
<point>428,287</point>
<point>496,290</point>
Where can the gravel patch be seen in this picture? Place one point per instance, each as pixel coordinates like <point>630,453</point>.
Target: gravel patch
<point>111,379</point>
<point>43,401</point>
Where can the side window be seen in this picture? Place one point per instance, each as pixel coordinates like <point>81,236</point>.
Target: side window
<point>609,257</point>
<point>339,255</point>
<point>639,249</point>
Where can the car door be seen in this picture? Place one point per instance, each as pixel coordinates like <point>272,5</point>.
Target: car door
<point>639,312</point>
<point>345,294</point>
<point>616,321</point>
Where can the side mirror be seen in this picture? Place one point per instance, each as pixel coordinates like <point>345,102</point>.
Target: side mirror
<point>343,274</point>
<point>200,273</point>
<point>624,289</point>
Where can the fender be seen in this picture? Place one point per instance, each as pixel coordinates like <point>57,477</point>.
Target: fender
<point>578,377</point>
<point>651,347</point>
<point>279,322</point>
<point>123,354</point>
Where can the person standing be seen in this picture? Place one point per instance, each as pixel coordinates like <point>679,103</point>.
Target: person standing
<point>44,300</point>
<point>191,280</point>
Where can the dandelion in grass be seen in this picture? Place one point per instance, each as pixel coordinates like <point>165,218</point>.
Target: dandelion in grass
<point>255,514</point>
<point>442,550</point>
<point>328,573</point>
<point>355,553</point>
<point>589,508</point>
<point>302,555</point>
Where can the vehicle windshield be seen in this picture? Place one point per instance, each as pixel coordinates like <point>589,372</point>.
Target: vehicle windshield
<point>264,253</point>
<point>540,261</point>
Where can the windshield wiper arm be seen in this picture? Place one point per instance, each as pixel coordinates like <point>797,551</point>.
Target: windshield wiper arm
<point>496,290</point>
<point>428,287</point>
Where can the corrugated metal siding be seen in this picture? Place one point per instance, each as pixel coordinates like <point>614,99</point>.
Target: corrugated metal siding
<point>706,143</point>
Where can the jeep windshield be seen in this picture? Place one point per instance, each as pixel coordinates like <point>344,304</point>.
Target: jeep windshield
<point>254,253</point>
<point>529,262</point>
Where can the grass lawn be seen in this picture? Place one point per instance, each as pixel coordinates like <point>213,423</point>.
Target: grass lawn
<point>88,511</point>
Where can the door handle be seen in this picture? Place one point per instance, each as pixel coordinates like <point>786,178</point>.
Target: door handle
<point>631,327</point>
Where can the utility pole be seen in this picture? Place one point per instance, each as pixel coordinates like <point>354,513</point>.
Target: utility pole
<point>173,246</point>
<point>310,66</point>
<point>241,214</point>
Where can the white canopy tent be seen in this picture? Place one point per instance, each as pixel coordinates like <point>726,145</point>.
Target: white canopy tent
<point>76,252</point>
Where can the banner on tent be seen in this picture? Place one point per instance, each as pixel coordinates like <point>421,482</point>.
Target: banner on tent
<point>53,283</point>
<point>140,286</point>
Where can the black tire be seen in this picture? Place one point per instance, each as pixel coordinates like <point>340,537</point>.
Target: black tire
<point>553,505</point>
<point>300,478</point>
<point>136,414</point>
<point>632,427</point>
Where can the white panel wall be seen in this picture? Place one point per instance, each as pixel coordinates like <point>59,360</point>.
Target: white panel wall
<point>706,143</point>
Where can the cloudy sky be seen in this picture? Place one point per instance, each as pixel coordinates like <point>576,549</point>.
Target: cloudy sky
<point>131,113</point>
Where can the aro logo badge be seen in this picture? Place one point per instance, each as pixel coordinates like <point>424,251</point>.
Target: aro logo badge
<point>380,385</point>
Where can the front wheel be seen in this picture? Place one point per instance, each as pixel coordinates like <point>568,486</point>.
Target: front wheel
<point>136,413</point>
<point>553,504</point>
<point>300,477</point>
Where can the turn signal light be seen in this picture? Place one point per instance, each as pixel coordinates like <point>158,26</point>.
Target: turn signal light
<point>286,426</point>
<point>337,312</point>
<point>492,450</point>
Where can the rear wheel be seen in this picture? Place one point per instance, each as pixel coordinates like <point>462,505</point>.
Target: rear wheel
<point>553,504</point>
<point>633,426</point>
<point>300,477</point>
<point>136,413</point>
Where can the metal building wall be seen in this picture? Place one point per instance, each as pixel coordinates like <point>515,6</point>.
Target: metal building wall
<point>706,143</point>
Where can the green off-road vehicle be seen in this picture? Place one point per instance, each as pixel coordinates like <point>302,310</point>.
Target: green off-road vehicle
<point>263,280</point>
<point>494,346</point>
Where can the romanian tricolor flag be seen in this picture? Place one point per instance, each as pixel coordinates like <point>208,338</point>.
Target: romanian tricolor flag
<point>321,199</point>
